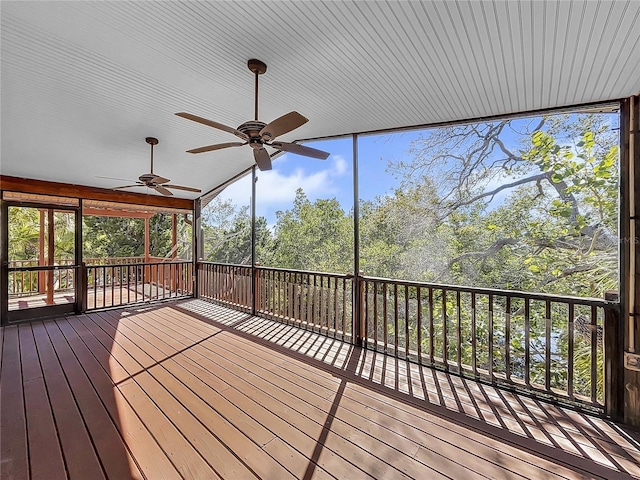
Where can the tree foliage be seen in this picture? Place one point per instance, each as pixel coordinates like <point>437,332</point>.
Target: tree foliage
<point>523,204</point>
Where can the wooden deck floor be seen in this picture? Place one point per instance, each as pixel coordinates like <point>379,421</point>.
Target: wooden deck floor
<point>194,390</point>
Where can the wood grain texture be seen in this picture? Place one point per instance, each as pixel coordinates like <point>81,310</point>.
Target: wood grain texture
<point>191,390</point>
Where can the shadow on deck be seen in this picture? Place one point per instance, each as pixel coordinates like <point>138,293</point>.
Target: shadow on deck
<point>194,390</point>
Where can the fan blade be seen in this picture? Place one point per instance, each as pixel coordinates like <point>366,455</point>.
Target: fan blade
<point>160,180</point>
<point>282,125</point>
<point>262,159</point>
<point>180,187</point>
<point>162,190</point>
<point>218,146</point>
<point>213,124</point>
<point>300,150</point>
<point>128,186</point>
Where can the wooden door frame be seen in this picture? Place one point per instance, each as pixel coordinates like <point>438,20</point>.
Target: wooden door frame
<point>7,317</point>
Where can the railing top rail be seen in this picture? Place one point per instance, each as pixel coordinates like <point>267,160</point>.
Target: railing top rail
<point>499,292</point>
<point>307,272</point>
<point>139,264</point>
<point>37,268</point>
<point>236,265</point>
<point>275,269</point>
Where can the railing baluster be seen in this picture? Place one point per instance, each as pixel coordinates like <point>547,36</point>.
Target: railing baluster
<point>570,352</point>
<point>474,333</point>
<point>547,346</point>
<point>507,338</point>
<point>594,354</point>
<point>395,319</point>
<point>343,327</point>
<point>384,313</point>
<point>527,342</point>
<point>406,321</point>
<point>432,348</point>
<point>458,331</point>
<point>95,287</point>
<point>335,306</point>
<point>490,328</point>
<point>113,286</point>
<point>375,314</point>
<point>104,286</point>
<point>419,321</point>
<point>445,343</point>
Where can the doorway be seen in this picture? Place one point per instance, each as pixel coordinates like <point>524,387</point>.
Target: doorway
<point>41,261</point>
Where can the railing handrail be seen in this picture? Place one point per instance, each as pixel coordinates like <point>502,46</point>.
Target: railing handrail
<point>277,269</point>
<point>38,268</point>
<point>204,262</point>
<point>141,264</point>
<point>591,301</point>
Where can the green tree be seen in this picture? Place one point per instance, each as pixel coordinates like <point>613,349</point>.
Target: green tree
<point>314,236</point>
<point>227,234</point>
<point>556,228</point>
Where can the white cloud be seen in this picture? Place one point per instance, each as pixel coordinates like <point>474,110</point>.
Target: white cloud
<point>339,165</point>
<point>275,188</point>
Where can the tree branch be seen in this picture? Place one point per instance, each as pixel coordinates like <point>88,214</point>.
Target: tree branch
<point>504,186</point>
<point>493,249</point>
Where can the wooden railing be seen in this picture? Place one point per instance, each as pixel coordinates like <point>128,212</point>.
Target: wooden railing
<point>226,284</point>
<point>318,301</point>
<point>314,300</point>
<point>548,344</point>
<point>25,280</point>
<point>113,260</point>
<point>128,283</point>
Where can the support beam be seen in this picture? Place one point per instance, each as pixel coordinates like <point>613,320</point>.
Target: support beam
<point>174,236</point>
<point>4,263</point>
<point>147,239</point>
<point>630,251</point>
<point>42,276</point>
<point>41,187</point>
<point>358,324</point>
<point>50,255</point>
<point>197,245</point>
<point>110,212</point>
<point>254,287</point>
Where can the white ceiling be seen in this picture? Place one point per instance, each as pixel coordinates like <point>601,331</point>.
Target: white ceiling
<point>83,83</point>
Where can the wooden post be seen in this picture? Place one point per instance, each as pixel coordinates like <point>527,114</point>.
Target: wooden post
<point>50,255</point>
<point>147,258</point>
<point>42,276</point>
<point>81,288</point>
<point>174,236</point>
<point>254,271</point>
<point>4,262</point>
<point>630,249</point>
<point>613,358</point>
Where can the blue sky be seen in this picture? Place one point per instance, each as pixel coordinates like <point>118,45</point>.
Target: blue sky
<point>330,178</point>
<point>334,178</point>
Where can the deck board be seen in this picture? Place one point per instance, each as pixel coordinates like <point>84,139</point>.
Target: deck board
<point>299,412</point>
<point>386,428</point>
<point>43,434</point>
<point>14,457</point>
<point>189,389</point>
<point>109,445</point>
<point>80,461</point>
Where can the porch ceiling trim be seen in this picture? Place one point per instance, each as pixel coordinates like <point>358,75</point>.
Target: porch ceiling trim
<point>26,185</point>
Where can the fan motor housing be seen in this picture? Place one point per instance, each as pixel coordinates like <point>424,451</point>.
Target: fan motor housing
<point>147,177</point>
<point>252,128</point>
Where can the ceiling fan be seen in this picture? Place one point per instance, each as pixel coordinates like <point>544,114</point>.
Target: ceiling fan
<point>151,180</point>
<point>257,134</point>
